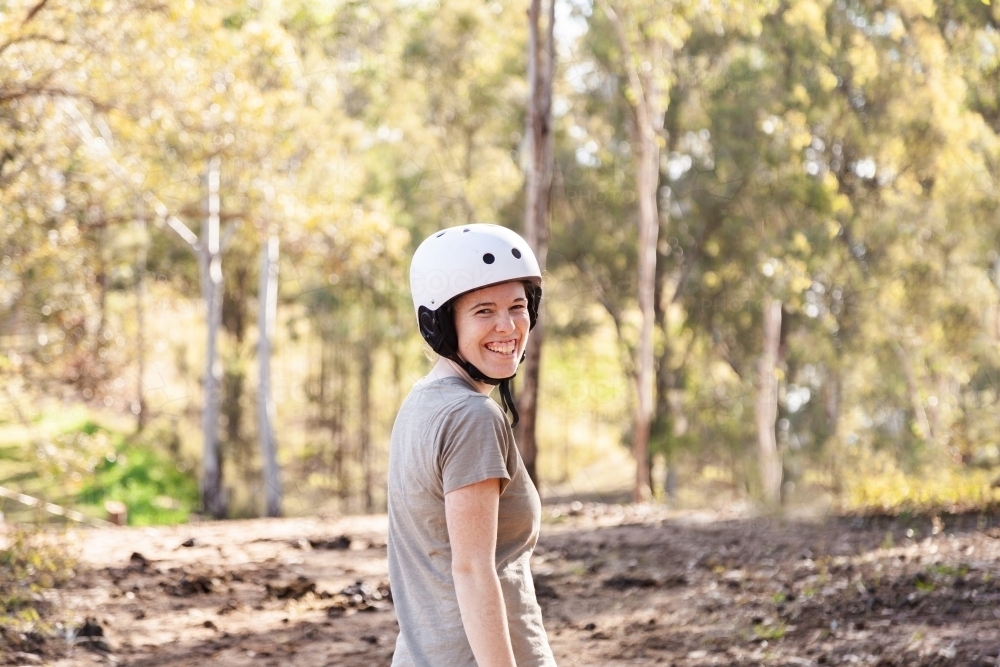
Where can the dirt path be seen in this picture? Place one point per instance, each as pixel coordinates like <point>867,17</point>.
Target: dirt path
<point>617,585</point>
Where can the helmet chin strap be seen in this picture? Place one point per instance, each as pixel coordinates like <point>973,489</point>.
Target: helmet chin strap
<point>506,396</point>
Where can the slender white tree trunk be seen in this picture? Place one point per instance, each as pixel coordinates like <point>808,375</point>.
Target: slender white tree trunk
<point>212,496</point>
<point>541,65</point>
<point>266,317</point>
<point>767,405</point>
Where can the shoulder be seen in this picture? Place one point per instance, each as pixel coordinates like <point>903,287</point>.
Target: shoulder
<point>447,409</point>
<point>475,442</point>
<point>476,409</point>
<point>474,422</point>
<point>453,401</point>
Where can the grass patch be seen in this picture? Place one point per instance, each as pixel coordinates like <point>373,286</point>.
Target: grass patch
<point>951,571</point>
<point>151,486</point>
<point>770,632</point>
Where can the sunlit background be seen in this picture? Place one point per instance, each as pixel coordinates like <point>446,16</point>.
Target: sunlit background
<point>835,164</point>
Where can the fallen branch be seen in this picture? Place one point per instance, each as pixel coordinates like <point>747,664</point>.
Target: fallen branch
<point>52,508</point>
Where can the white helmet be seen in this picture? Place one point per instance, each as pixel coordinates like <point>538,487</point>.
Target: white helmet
<point>461,259</point>
<point>465,258</point>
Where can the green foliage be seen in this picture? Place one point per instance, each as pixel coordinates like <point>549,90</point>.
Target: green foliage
<point>78,462</point>
<point>950,570</point>
<point>28,560</point>
<point>924,584</point>
<point>769,632</point>
<point>154,487</point>
<point>878,484</point>
<point>29,563</point>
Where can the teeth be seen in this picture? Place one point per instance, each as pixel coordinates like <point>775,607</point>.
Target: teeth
<point>501,348</point>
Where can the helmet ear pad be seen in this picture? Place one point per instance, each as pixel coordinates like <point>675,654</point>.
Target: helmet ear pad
<point>438,328</point>
<point>534,294</point>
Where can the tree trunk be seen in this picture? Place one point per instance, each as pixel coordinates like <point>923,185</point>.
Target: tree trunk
<point>266,315</point>
<point>236,449</point>
<point>662,428</point>
<point>831,401</point>
<point>913,389</point>
<point>527,404</point>
<point>101,276</point>
<point>212,496</point>
<point>672,480</point>
<point>139,406</point>
<point>541,65</point>
<point>767,406</point>
<point>831,408</point>
<point>649,224</point>
<point>233,445</point>
<point>341,441</point>
<point>649,107</point>
<point>365,415</point>
<point>649,229</point>
<point>322,397</point>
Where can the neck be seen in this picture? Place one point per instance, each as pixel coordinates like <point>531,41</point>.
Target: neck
<point>448,368</point>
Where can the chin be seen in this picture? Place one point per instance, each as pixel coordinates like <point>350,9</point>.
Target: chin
<point>501,371</point>
<point>498,369</point>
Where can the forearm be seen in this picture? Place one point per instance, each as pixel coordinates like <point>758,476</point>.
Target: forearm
<point>484,616</point>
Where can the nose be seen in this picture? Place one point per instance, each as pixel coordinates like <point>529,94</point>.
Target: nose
<point>505,322</point>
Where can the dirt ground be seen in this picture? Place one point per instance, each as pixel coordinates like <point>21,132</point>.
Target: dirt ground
<point>618,585</point>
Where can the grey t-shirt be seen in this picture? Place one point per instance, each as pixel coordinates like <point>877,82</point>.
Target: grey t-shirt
<point>446,436</point>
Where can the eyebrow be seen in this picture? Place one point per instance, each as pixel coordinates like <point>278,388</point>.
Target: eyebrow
<point>490,303</point>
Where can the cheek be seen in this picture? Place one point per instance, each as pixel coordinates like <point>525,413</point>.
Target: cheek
<point>469,331</point>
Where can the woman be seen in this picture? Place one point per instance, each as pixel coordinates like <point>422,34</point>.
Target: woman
<point>463,513</point>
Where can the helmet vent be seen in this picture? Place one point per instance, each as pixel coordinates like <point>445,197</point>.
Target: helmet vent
<point>466,230</point>
<point>516,253</point>
<point>440,235</point>
<point>489,258</point>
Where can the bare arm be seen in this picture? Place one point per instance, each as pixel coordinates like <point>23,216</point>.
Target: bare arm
<point>471,513</point>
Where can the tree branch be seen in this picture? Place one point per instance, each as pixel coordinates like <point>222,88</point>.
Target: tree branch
<point>635,80</point>
<point>83,130</point>
<point>34,12</point>
<point>32,38</point>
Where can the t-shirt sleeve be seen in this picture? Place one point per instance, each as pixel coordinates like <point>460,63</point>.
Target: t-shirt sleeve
<point>475,444</point>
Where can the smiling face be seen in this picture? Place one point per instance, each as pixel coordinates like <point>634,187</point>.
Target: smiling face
<point>492,327</point>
